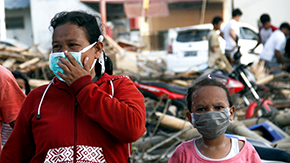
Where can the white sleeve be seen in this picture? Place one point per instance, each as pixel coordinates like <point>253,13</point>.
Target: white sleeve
<point>236,27</point>
<point>280,44</point>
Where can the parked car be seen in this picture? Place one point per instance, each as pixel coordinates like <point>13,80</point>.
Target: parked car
<point>188,46</point>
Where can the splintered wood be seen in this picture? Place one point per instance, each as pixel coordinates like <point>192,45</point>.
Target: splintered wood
<point>21,59</point>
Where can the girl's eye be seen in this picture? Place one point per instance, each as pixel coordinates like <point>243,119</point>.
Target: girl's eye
<point>201,109</point>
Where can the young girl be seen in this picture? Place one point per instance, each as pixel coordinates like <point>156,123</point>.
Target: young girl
<point>210,112</point>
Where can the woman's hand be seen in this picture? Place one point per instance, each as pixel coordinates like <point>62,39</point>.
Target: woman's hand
<point>72,69</point>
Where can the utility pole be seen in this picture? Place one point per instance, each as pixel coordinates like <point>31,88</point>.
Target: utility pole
<point>202,14</point>
<point>2,20</point>
<point>103,11</point>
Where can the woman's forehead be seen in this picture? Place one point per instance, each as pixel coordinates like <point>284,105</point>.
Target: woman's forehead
<point>69,31</point>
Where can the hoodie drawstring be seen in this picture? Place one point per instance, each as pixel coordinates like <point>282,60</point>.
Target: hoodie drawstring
<point>112,87</point>
<point>39,106</point>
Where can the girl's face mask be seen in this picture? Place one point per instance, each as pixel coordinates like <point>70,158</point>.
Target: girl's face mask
<point>53,59</point>
<point>211,124</point>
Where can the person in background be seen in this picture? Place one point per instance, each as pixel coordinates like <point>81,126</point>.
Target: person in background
<point>214,50</point>
<point>84,114</point>
<point>11,98</point>
<point>265,30</point>
<point>210,110</point>
<point>274,49</point>
<point>22,82</point>
<point>231,33</point>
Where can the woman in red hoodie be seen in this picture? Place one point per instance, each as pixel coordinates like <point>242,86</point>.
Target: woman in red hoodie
<point>83,114</point>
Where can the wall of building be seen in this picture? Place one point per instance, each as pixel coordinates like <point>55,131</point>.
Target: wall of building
<point>253,9</point>
<point>42,11</point>
<point>154,30</point>
<point>182,18</point>
<point>21,34</point>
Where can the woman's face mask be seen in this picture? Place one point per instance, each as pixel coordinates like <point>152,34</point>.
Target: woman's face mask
<point>211,124</point>
<point>53,59</point>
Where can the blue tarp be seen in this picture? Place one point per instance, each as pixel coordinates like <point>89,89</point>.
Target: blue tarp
<point>16,4</point>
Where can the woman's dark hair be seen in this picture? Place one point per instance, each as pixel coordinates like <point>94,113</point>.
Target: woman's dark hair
<point>265,18</point>
<point>89,23</point>
<point>206,81</point>
<point>216,20</point>
<point>20,75</point>
<point>237,12</point>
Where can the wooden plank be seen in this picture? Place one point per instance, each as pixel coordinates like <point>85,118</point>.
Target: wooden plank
<point>30,62</point>
<point>8,63</point>
<point>18,57</point>
<point>130,56</point>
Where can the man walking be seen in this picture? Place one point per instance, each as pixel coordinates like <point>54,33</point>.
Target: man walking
<point>214,49</point>
<point>231,33</point>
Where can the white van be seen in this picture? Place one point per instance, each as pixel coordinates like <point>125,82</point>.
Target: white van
<point>188,47</point>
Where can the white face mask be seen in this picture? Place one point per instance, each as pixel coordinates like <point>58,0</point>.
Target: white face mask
<point>53,59</point>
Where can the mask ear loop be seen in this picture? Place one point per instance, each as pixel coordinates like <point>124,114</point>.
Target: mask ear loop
<point>100,39</point>
<point>88,47</point>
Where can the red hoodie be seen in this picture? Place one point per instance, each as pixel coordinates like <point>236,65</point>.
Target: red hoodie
<point>94,120</point>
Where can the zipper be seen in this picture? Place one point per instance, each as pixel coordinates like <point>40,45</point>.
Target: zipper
<point>75,130</point>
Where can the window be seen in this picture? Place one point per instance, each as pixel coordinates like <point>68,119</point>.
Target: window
<point>15,23</point>
<point>248,34</point>
<point>192,35</point>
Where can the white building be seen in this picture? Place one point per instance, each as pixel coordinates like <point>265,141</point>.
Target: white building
<point>252,10</point>
<point>28,20</point>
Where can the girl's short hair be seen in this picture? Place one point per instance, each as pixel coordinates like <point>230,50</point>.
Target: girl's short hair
<point>206,81</point>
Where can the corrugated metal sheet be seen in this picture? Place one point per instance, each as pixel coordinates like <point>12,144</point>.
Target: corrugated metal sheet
<point>16,4</point>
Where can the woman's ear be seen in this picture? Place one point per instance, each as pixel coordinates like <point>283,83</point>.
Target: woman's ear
<point>188,115</point>
<point>232,111</point>
<point>98,49</point>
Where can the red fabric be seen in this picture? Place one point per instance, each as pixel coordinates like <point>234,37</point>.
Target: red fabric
<point>186,153</point>
<point>134,23</point>
<point>11,97</point>
<point>274,28</point>
<point>98,121</point>
<point>133,10</point>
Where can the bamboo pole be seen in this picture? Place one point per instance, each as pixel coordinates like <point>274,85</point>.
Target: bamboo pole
<point>239,128</point>
<point>173,122</point>
<point>285,146</point>
<point>283,119</point>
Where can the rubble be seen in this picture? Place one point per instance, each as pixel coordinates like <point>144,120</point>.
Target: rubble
<point>164,132</point>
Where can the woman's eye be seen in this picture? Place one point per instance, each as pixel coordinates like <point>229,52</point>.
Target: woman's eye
<point>72,44</point>
<point>55,47</point>
<point>219,107</point>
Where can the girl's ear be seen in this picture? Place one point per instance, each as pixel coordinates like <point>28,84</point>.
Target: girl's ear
<point>232,111</point>
<point>98,49</point>
<point>188,115</point>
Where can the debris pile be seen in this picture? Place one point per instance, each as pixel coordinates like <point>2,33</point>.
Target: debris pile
<point>32,61</point>
<point>166,124</point>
